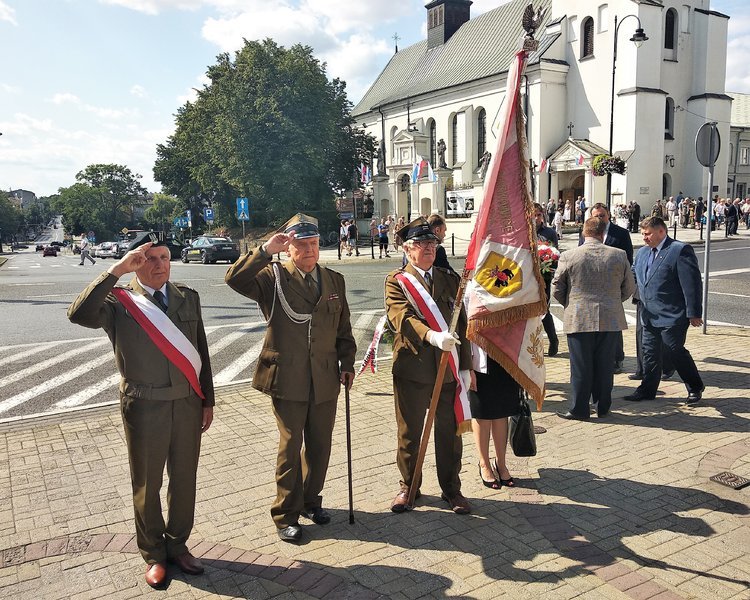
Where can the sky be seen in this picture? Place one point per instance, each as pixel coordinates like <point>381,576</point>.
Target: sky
<point>99,81</point>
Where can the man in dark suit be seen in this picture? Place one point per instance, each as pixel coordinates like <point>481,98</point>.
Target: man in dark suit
<point>617,237</point>
<point>439,228</point>
<point>165,407</point>
<point>308,353</point>
<point>592,282</point>
<point>669,284</point>
<point>417,349</point>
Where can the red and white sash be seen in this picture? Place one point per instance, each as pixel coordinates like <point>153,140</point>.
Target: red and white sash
<point>165,334</point>
<point>429,311</point>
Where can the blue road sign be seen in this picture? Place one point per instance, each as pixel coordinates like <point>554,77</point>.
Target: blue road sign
<point>208,215</point>
<point>243,209</point>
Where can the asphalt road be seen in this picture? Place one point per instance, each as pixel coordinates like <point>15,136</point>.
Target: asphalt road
<point>48,364</point>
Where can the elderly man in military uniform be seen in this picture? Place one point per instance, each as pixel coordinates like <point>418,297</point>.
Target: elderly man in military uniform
<point>166,393</point>
<point>308,353</point>
<point>417,349</point>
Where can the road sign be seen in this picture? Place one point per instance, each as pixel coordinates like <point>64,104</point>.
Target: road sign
<point>180,222</point>
<point>243,209</point>
<point>124,230</point>
<point>708,144</point>
<point>208,215</point>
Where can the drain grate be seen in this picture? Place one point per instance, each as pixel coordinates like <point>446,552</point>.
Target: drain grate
<point>730,480</point>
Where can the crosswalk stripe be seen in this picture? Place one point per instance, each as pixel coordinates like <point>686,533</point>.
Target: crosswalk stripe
<point>45,387</point>
<point>229,339</point>
<point>33,349</point>
<point>13,377</point>
<point>228,373</point>
<point>86,394</point>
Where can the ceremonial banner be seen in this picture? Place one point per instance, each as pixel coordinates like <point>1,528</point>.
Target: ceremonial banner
<point>506,292</point>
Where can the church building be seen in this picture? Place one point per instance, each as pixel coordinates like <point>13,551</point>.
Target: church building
<point>439,100</point>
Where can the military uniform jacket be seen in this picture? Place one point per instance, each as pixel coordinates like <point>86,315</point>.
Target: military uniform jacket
<point>298,355</point>
<point>145,371</point>
<point>415,358</point>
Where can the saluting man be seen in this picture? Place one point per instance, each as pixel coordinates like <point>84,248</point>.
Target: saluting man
<point>166,393</point>
<point>308,353</point>
<point>417,297</point>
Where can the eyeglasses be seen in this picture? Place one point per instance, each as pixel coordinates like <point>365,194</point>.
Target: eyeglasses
<point>426,243</point>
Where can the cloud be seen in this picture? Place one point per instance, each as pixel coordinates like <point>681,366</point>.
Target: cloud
<point>154,7</point>
<point>65,98</point>
<point>7,14</point>
<point>99,111</point>
<point>738,48</point>
<point>138,91</point>
<point>10,89</point>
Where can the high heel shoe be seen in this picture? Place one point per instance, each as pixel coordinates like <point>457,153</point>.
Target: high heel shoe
<point>506,482</point>
<point>490,484</point>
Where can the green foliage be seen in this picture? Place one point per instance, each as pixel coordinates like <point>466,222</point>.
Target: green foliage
<point>10,217</point>
<point>39,212</point>
<point>119,191</point>
<point>604,163</point>
<point>82,210</point>
<point>160,214</point>
<point>269,126</point>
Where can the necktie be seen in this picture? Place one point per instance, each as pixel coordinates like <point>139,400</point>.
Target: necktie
<point>428,281</point>
<point>311,284</point>
<point>651,259</point>
<point>161,300</point>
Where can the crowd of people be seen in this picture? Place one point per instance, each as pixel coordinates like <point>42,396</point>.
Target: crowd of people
<point>166,388</point>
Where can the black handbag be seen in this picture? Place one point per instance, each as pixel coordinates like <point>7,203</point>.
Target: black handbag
<point>521,431</point>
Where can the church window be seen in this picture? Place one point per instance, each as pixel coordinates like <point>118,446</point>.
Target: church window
<point>603,18</point>
<point>454,140</point>
<point>670,30</point>
<point>481,133</point>
<point>669,119</point>
<point>433,144</point>
<point>587,37</point>
<point>745,155</point>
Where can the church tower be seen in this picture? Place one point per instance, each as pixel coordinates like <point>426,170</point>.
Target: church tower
<point>444,17</point>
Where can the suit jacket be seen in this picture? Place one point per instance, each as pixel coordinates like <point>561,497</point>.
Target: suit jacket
<point>415,358</point>
<point>294,358</point>
<point>617,237</point>
<point>145,371</point>
<point>671,294</point>
<point>591,282</point>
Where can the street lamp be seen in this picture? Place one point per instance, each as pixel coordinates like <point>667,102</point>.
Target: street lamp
<point>638,38</point>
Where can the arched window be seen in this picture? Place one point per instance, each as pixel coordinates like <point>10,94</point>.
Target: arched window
<point>454,139</point>
<point>670,30</point>
<point>433,144</point>
<point>481,132</point>
<point>669,119</point>
<point>587,37</point>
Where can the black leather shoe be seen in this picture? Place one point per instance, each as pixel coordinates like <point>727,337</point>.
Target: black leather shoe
<point>554,344</point>
<point>602,414</point>
<point>318,515</point>
<point>571,417</point>
<point>635,377</point>
<point>695,396</point>
<point>637,397</point>
<point>618,367</point>
<point>667,375</point>
<point>292,533</point>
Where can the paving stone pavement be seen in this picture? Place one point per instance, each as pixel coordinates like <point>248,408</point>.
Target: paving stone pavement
<point>611,508</point>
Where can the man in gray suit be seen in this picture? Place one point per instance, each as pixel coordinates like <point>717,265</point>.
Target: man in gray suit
<point>591,283</point>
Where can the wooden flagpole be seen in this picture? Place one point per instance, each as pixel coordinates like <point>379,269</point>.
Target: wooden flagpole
<point>415,480</point>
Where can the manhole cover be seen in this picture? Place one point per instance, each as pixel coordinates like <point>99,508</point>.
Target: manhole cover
<point>539,429</point>
<point>730,480</point>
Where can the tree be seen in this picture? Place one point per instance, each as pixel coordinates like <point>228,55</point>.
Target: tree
<point>82,210</point>
<point>269,126</point>
<point>119,192</point>
<point>10,218</point>
<point>160,214</point>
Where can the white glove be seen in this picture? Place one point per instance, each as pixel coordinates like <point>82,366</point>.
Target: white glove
<point>465,376</point>
<point>443,340</point>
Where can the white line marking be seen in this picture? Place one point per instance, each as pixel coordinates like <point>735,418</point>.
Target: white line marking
<point>13,377</point>
<point>728,272</point>
<point>235,368</point>
<point>27,284</point>
<point>228,339</point>
<point>45,387</point>
<point>30,352</point>
<point>46,344</point>
<point>724,249</point>
<point>51,296</point>
<point>86,394</point>
<point>728,294</point>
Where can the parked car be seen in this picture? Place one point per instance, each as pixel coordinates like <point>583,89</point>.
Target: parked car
<point>50,250</point>
<point>209,249</point>
<point>103,250</point>
<point>39,247</point>
<point>175,248</point>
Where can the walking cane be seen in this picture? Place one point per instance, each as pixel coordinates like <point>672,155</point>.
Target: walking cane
<point>349,455</point>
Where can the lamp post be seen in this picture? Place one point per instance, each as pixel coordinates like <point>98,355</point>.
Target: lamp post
<point>638,38</point>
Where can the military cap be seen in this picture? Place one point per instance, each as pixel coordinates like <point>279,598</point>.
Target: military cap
<point>418,229</point>
<point>302,226</point>
<point>143,238</point>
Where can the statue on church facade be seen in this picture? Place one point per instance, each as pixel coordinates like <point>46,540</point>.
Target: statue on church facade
<point>380,154</point>
<point>441,147</point>
<point>484,163</point>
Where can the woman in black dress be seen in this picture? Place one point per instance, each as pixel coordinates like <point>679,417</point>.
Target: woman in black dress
<point>496,398</point>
